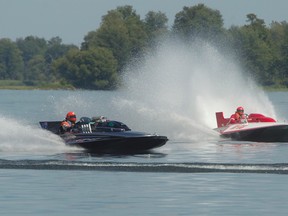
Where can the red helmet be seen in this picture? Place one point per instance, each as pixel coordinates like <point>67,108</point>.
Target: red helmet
<point>71,116</point>
<point>239,109</point>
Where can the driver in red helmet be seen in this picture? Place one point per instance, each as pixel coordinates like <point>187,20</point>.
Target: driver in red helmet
<point>239,116</point>
<point>68,123</point>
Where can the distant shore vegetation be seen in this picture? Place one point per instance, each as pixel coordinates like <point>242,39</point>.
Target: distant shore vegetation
<point>98,64</point>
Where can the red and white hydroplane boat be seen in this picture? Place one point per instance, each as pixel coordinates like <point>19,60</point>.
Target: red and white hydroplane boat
<point>255,127</point>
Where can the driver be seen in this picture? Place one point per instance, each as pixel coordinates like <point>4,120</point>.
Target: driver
<point>239,114</point>
<point>68,123</point>
<point>238,117</point>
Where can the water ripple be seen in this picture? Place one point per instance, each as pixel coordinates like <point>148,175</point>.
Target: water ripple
<point>278,168</point>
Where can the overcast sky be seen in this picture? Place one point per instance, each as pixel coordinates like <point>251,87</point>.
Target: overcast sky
<point>71,20</point>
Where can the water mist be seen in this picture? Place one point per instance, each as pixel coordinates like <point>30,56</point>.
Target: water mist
<point>177,89</point>
<point>18,137</point>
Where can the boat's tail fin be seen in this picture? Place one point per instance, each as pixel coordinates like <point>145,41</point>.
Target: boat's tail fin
<point>52,126</point>
<point>221,121</point>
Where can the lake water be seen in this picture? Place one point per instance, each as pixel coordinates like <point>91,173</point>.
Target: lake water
<point>195,173</point>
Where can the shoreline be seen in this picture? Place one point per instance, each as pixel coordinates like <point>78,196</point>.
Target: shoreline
<point>69,87</point>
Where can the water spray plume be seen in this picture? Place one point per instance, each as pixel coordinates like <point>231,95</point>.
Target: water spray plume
<point>18,137</point>
<point>179,87</point>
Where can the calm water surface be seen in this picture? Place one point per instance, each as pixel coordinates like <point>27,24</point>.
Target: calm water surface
<point>188,176</point>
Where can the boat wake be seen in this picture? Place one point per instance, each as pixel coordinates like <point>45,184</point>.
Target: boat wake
<point>279,168</point>
<point>19,137</point>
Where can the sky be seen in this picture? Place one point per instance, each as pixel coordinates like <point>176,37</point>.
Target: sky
<point>71,20</point>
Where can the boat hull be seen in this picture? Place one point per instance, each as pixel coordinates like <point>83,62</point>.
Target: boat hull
<point>122,142</point>
<point>108,139</point>
<point>257,133</point>
<point>254,127</point>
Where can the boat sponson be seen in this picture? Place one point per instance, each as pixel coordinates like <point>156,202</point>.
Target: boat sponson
<point>275,133</point>
<point>117,144</point>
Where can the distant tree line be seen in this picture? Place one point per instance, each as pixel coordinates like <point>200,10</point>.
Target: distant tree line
<point>123,36</point>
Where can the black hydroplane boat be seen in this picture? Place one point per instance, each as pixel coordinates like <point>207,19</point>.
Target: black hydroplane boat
<point>106,136</point>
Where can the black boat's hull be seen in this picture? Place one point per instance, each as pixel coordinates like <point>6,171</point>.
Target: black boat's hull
<point>115,142</point>
<point>118,144</point>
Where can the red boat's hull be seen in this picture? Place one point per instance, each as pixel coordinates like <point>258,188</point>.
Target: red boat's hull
<point>275,133</point>
<point>256,131</point>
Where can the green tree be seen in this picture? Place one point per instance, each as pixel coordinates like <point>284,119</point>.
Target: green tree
<point>122,32</point>
<point>156,25</point>
<point>37,66</point>
<point>11,63</point>
<point>31,46</point>
<point>136,30</point>
<point>252,45</point>
<point>198,21</point>
<point>89,69</point>
<point>258,26</point>
<point>113,35</point>
<point>56,49</point>
<point>279,37</point>
<point>32,49</point>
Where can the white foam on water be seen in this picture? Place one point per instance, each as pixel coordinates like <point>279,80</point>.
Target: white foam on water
<point>17,136</point>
